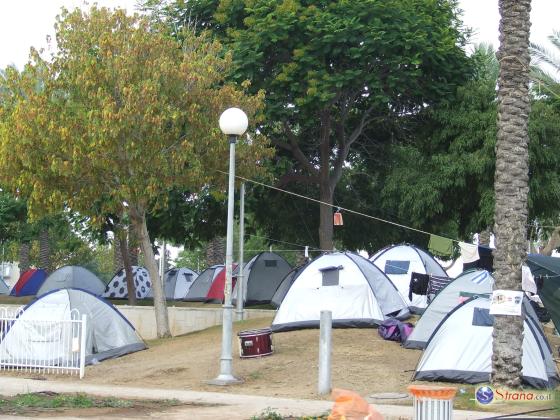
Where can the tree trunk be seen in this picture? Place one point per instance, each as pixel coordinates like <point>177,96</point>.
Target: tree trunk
<point>44,250</point>
<point>132,248</point>
<point>216,251</point>
<point>553,242</point>
<point>120,239</point>
<point>24,256</point>
<point>326,218</point>
<point>138,218</point>
<point>511,183</point>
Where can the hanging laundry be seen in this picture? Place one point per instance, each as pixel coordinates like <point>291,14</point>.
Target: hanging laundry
<point>440,246</point>
<point>469,252</point>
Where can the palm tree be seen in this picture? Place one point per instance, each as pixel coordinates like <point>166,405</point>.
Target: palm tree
<point>545,71</point>
<point>511,182</point>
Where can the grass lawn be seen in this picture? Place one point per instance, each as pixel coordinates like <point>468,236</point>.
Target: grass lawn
<point>45,402</point>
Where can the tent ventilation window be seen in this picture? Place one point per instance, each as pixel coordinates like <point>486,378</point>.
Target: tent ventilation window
<point>270,263</point>
<point>396,267</point>
<point>482,317</point>
<point>330,275</point>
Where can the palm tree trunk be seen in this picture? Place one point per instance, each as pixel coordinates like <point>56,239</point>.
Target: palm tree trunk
<point>553,242</point>
<point>511,183</point>
<point>24,249</point>
<point>216,251</point>
<point>44,250</point>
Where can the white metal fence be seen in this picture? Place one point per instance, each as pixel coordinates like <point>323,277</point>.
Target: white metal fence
<point>42,345</point>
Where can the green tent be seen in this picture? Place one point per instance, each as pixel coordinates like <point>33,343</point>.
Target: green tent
<point>549,269</point>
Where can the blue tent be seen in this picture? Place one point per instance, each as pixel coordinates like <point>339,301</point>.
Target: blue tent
<point>29,283</point>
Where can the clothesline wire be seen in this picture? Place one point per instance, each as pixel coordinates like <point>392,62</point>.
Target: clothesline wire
<point>281,242</point>
<point>350,210</point>
<point>340,207</point>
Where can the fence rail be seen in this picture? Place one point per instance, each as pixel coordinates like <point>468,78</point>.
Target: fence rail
<point>42,345</point>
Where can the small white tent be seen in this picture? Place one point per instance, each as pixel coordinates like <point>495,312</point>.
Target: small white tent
<point>176,283</point>
<point>75,277</point>
<point>116,288</point>
<point>357,293</point>
<point>460,350</point>
<point>398,262</point>
<point>470,283</point>
<point>108,333</point>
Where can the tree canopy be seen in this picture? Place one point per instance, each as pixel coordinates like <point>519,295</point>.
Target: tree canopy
<point>124,114</point>
<point>333,72</point>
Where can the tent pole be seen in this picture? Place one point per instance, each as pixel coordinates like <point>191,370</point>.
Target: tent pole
<point>241,284</point>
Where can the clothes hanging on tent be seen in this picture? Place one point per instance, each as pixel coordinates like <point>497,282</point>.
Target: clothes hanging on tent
<point>469,252</point>
<point>418,284</point>
<point>436,285</point>
<point>440,246</point>
<point>527,280</point>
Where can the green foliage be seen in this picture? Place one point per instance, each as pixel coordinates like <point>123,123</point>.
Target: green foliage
<point>336,74</point>
<point>443,180</point>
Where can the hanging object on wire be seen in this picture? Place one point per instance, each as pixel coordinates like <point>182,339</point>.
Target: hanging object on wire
<point>337,218</point>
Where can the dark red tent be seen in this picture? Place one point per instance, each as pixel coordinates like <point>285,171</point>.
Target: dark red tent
<point>216,291</point>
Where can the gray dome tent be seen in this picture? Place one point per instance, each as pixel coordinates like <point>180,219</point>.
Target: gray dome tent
<point>355,290</point>
<point>398,262</point>
<point>201,285</point>
<point>460,350</point>
<point>466,285</point>
<point>176,283</point>
<point>117,289</point>
<point>109,334</point>
<point>284,286</point>
<point>72,276</point>
<point>261,277</point>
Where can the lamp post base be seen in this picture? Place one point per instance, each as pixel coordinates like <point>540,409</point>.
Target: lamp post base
<point>223,380</point>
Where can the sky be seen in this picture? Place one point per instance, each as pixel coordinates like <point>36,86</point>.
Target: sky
<point>26,23</point>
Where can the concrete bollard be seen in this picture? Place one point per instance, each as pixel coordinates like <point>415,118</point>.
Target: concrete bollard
<point>324,385</point>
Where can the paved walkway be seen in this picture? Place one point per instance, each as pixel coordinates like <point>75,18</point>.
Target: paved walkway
<point>218,405</point>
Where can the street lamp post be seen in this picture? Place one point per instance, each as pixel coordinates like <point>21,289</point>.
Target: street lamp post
<point>233,123</point>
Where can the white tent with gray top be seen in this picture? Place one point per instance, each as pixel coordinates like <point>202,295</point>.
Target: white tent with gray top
<point>470,283</point>
<point>460,350</point>
<point>117,289</point>
<point>261,277</point>
<point>108,332</point>
<point>357,293</point>
<point>176,283</point>
<point>72,276</point>
<point>398,262</point>
<point>4,288</point>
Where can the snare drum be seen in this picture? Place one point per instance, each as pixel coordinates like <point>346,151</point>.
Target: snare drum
<point>255,343</point>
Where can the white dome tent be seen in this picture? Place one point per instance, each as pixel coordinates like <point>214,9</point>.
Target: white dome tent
<point>108,333</point>
<point>116,288</point>
<point>357,293</point>
<point>176,283</point>
<point>398,262</point>
<point>75,277</point>
<point>460,350</point>
<point>470,283</point>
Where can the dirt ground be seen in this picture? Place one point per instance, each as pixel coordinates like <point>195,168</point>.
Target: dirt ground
<point>361,361</point>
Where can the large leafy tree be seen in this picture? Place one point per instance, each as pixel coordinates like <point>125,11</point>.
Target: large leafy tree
<point>333,72</point>
<point>125,114</point>
<point>442,180</point>
<point>511,183</point>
